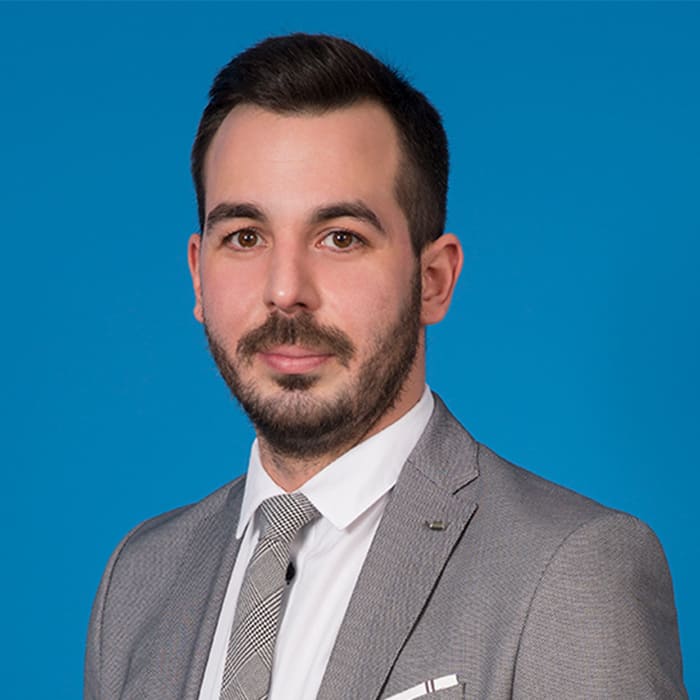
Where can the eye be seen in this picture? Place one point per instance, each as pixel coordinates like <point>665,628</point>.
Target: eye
<point>244,239</point>
<point>342,240</point>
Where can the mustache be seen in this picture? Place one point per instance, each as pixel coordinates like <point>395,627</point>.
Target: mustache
<point>301,329</point>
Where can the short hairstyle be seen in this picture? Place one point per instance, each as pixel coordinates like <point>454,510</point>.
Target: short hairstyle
<point>303,73</point>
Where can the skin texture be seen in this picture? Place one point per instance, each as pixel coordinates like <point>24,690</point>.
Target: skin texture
<point>303,223</point>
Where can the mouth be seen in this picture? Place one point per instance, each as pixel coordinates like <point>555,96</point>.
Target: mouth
<point>294,359</point>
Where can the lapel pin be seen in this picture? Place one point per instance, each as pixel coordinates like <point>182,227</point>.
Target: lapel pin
<point>436,524</point>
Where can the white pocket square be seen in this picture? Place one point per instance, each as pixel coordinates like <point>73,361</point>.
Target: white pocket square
<point>426,687</point>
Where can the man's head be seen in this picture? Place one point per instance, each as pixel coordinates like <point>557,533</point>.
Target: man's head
<point>313,74</point>
<point>307,274</point>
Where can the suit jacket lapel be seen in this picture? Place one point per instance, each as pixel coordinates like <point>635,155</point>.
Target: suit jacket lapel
<point>405,559</point>
<point>183,637</point>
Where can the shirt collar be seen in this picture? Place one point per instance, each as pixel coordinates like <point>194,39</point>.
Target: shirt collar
<point>367,472</point>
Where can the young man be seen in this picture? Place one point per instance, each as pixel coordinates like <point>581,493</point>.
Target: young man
<point>409,560</point>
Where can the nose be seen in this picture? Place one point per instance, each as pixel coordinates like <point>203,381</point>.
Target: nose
<point>290,285</point>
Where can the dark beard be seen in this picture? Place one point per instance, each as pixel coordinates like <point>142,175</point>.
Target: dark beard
<point>296,424</point>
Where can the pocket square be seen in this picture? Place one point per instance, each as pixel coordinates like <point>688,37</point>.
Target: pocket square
<point>426,687</point>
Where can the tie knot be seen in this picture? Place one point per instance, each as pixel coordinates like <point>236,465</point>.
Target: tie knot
<point>285,515</point>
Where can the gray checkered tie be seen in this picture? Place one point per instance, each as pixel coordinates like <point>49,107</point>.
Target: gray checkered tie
<point>254,632</point>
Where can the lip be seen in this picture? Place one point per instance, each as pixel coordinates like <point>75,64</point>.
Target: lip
<point>293,359</point>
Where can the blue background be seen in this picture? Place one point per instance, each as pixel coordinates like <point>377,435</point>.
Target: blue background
<point>572,346</point>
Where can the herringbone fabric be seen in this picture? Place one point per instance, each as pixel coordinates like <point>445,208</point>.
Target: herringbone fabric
<point>254,631</point>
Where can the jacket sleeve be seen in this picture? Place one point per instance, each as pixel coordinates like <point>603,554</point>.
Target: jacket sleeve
<point>93,681</point>
<point>91,686</point>
<point>602,623</point>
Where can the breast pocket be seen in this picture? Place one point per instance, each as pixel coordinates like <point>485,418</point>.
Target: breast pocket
<point>456,692</point>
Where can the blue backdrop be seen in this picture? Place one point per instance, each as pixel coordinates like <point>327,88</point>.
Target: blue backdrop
<point>572,346</point>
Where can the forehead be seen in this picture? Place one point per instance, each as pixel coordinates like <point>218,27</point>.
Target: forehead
<point>352,151</point>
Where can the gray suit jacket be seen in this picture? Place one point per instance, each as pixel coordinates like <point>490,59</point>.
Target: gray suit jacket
<point>530,591</point>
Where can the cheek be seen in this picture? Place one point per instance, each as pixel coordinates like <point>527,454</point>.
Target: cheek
<point>228,299</point>
<point>363,305</point>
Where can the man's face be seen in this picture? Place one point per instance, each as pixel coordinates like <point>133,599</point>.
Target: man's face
<point>305,277</point>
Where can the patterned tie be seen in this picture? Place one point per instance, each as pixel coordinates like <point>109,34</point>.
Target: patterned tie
<point>254,632</point>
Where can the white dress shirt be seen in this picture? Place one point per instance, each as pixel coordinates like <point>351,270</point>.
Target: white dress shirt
<point>350,493</point>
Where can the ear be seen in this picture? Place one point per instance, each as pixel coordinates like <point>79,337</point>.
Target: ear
<point>193,252</point>
<point>441,263</point>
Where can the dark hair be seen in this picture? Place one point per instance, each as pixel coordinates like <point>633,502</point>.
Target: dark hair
<point>302,73</point>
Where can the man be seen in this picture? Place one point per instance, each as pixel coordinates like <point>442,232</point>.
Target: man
<point>374,550</point>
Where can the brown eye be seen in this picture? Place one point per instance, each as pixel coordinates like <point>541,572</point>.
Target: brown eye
<point>246,239</point>
<point>341,240</point>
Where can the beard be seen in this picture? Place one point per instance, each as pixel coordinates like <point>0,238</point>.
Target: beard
<point>295,423</point>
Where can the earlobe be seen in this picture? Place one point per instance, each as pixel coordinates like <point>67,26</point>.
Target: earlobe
<point>193,252</point>
<point>441,264</point>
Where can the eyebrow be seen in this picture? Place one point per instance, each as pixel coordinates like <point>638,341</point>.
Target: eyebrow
<point>355,210</point>
<point>337,210</point>
<point>230,210</point>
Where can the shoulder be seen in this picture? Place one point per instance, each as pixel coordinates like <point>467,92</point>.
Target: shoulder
<point>555,529</point>
<point>151,551</point>
<point>513,499</point>
<point>139,576</point>
<point>530,499</point>
<point>601,617</point>
<point>164,535</point>
<point>579,544</point>
<point>587,587</point>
